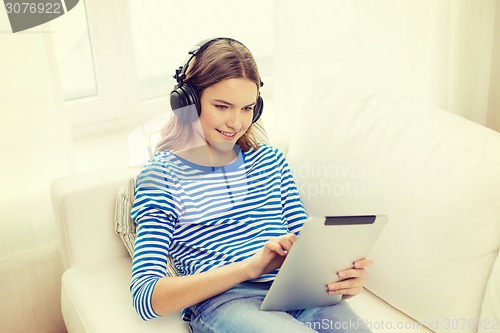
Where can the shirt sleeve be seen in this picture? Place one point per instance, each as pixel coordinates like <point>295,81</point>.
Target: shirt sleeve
<point>292,209</point>
<point>154,211</point>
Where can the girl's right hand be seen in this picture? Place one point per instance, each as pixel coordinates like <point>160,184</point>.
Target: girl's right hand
<point>270,256</point>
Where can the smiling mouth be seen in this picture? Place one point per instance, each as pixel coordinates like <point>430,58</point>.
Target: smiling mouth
<point>227,134</point>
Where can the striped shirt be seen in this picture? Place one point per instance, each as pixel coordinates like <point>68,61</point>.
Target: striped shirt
<point>207,217</point>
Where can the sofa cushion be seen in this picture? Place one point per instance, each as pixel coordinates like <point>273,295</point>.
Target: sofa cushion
<point>379,316</point>
<point>436,175</point>
<point>124,226</point>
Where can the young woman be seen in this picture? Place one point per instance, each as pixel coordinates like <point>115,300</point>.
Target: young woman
<point>225,208</point>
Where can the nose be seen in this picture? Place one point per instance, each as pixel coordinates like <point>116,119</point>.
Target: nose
<point>233,120</point>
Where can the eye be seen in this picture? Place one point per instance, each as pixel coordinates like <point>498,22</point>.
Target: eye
<point>248,108</point>
<point>220,106</point>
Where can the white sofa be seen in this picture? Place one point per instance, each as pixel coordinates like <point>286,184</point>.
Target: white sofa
<point>358,151</point>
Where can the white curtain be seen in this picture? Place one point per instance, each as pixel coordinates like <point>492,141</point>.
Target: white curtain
<point>444,53</point>
<point>35,147</point>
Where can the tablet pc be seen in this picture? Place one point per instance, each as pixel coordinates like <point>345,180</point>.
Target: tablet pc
<point>325,246</point>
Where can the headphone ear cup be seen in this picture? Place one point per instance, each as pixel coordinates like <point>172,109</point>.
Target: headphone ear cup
<point>185,103</point>
<point>258,108</point>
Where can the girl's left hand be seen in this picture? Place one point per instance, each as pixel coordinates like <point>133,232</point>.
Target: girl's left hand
<point>351,280</point>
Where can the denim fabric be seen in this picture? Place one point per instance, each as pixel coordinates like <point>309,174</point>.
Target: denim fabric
<point>237,310</point>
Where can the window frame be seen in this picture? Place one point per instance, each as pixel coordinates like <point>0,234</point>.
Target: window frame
<point>110,33</point>
<point>117,103</point>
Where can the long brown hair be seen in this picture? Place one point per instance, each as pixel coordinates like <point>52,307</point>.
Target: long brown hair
<point>222,59</point>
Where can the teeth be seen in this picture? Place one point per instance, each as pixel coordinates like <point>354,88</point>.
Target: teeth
<point>228,134</point>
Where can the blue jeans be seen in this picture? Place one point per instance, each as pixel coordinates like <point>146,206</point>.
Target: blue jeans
<point>237,310</point>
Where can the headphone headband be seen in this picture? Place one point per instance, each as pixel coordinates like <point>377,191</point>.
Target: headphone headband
<point>180,73</point>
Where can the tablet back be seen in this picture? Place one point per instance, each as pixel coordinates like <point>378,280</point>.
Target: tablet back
<point>325,246</point>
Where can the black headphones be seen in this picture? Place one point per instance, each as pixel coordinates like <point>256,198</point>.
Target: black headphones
<point>185,95</point>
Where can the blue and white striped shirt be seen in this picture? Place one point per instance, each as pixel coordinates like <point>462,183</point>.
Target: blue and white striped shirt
<point>207,217</point>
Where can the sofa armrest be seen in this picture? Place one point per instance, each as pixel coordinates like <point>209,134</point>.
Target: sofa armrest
<point>83,206</point>
<point>96,298</point>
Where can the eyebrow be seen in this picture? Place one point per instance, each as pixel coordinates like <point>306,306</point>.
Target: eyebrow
<point>229,104</point>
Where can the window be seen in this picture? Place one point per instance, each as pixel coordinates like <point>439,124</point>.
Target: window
<point>117,58</point>
<point>74,54</point>
<point>164,31</point>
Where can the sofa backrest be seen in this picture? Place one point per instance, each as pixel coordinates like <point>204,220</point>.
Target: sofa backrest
<point>84,207</point>
<point>436,175</point>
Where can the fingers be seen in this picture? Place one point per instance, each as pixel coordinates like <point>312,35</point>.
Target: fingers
<point>351,280</point>
<point>270,256</point>
<point>349,287</point>
<point>281,245</point>
<point>352,273</point>
<point>347,293</point>
<point>363,263</point>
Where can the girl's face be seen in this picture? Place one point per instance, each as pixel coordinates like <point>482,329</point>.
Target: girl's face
<point>226,112</point>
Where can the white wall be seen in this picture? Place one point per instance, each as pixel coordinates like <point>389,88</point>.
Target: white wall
<point>35,146</point>
<point>438,52</point>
